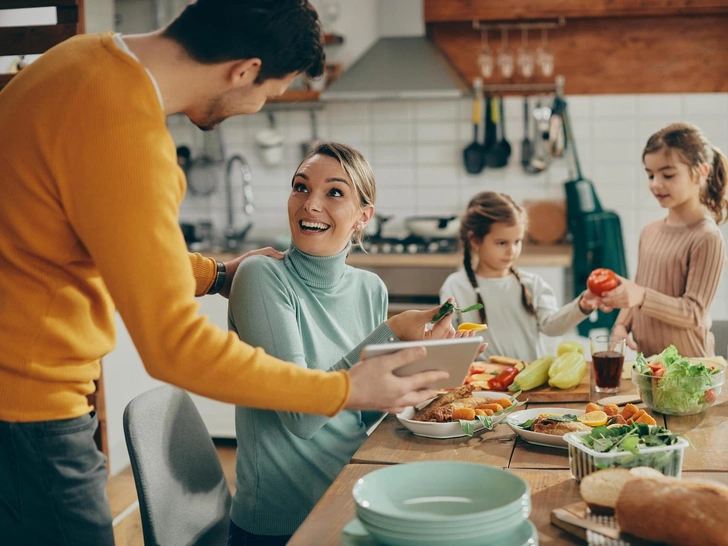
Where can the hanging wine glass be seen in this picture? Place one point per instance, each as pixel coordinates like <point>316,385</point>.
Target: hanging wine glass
<point>486,59</point>
<point>525,57</point>
<point>544,55</point>
<point>505,56</point>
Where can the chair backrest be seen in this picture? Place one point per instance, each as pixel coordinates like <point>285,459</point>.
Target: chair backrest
<point>183,496</point>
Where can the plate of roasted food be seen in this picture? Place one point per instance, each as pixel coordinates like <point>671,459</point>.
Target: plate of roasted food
<point>457,413</point>
<point>547,426</point>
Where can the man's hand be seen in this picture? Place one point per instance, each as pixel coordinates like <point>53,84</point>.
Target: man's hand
<point>375,387</point>
<point>232,266</point>
<point>628,294</point>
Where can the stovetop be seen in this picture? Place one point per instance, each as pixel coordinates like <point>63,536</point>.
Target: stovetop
<point>409,245</point>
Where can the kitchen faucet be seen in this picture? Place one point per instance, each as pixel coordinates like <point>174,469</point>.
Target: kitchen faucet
<point>232,237</point>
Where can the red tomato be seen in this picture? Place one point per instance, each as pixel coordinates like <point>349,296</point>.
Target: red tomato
<point>655,366</point>
<point>660,372</point>
<point>601,281</point>
<point>710,396</point>
<point>503,380</point>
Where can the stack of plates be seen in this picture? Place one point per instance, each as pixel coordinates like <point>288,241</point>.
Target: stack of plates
<point>453,503</point>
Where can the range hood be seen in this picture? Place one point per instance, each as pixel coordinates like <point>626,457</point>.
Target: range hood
<point>398,68</point>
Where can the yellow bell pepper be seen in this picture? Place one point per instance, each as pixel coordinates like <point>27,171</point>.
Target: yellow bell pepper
<point>472,327</point>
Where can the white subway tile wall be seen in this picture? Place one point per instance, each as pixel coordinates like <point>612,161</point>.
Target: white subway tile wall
<point>416,147</point>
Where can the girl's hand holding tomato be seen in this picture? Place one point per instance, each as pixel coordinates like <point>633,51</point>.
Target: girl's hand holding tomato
<point>589,302</point>
<point>601,281</point>
<point>628,294</point>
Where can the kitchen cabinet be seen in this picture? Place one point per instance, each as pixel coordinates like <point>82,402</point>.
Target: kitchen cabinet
<point>219,418</point>
<point>606,46</point>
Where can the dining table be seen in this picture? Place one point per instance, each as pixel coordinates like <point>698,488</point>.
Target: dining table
<point>546,469</point>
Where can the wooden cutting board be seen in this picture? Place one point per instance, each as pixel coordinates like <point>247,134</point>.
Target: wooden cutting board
<point>595,530</point>
<point>580,393</point>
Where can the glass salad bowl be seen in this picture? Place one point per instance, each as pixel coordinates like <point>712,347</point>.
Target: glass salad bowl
<point>687,391</point>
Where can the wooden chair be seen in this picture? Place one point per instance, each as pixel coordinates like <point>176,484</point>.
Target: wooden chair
<point>36,39</point>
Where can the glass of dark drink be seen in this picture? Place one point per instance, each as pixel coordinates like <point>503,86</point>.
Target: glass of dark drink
<point>607,354</point>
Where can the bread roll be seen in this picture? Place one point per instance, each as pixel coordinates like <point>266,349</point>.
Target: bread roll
<point>600,490</point>
<point>675,512</point>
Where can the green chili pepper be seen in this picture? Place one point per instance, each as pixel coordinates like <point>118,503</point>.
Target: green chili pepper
<point>448,308</point>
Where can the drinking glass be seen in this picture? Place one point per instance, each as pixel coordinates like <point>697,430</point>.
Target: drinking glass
<point>544,56</point>
<point>607,354</point>
<point>525,57</point>
<point>505,56</point>
<point>486,59</point>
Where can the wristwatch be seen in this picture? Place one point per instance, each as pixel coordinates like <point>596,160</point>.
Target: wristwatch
<point>220,275</point>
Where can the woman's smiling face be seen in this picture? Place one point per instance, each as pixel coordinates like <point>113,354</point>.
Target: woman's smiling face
<point>324,208</point>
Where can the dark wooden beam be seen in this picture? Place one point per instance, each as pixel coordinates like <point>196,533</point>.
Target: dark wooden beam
<point>33,40</point>
<point>491,10</point>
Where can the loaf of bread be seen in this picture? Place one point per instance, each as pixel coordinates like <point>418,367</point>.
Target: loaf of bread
<point>600,490</point>
<point>675,512</point>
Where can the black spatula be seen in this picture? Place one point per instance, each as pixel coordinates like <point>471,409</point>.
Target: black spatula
<point>473,153</point>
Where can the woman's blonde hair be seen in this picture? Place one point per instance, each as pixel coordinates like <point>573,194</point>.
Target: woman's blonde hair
<point>357,169</point>
<point>695,150</point>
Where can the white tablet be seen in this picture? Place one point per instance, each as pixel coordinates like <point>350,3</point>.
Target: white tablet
<point>451,355</point>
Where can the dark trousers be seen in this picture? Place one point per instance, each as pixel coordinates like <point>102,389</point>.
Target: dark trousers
<point>53,484</point>
<point>241,537</point>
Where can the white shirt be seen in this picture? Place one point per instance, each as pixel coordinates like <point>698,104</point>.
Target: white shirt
<point>512,331</point>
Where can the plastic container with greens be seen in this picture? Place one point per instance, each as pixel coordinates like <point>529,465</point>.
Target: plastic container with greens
<point>625,446</point>
<point>674,385</point>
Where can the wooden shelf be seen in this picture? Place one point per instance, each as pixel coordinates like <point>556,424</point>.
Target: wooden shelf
<point>297,96</point>
<point>31,40</point>
<point>439,11</point>
<point>676,54</point>
<point>333,39</point>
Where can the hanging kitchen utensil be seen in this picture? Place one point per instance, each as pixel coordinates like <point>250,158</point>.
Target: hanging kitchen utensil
<point>309,144</point>
<point>473,154</point>
<point>270,142</point>
<point>540,158</point>
<point>526,144</point>
<point>490,136</point>
<point>204,172</point>
<point>497,156</point>
<point>556,128</point>
<point>504,142</point>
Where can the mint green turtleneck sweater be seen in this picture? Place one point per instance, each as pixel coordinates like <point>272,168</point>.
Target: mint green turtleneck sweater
<point>319,313</point>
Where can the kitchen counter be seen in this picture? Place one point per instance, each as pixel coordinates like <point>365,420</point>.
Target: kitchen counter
<point>532,256</point>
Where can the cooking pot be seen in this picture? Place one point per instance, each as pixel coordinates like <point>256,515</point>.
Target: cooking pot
<point>447,227</point>
<point>374,227</point>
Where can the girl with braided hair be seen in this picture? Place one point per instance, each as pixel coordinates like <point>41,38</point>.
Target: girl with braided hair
<point>518,306</point>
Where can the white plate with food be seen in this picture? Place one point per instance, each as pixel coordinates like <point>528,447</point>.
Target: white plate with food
<point>441,417</point>
<point>547,425</point>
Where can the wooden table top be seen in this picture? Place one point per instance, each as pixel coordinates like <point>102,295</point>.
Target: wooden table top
<point>545,469</point>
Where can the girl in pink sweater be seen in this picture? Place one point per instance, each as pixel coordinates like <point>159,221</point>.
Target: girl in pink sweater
<point>681,256</point>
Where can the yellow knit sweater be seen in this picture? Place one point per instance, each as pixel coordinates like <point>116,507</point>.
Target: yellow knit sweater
<point>89,198</point>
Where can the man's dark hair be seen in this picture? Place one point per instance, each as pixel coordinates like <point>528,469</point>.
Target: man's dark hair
<point>284,34</point>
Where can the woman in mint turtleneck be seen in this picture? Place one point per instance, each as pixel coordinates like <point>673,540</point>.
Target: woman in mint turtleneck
<point>312,309</point>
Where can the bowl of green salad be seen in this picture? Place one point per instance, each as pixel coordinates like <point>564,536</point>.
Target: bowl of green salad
<point>675,385</point>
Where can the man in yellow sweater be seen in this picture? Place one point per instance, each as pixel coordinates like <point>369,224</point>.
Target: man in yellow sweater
<point>89,224</point>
